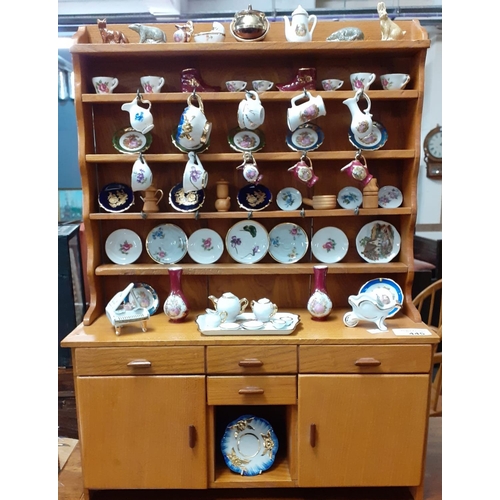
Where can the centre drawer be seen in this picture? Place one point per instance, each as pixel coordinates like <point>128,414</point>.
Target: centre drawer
<point>251,359</point>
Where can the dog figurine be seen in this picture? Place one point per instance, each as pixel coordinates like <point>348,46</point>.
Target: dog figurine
<point>110,36</point>
<point>149,34</point>
<point>389,29</point>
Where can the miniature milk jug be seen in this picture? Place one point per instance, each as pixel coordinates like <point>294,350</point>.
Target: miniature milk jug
<point>141,118</point>
<point>298,29</point>
<point>361,121</point>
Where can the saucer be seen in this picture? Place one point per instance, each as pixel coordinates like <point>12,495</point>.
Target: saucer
<point>247,242</point>
<point>205,246</point>
<point>307,137</point>
<point>350,197</point>
<point>198,149</point>
<point>123,246</point>
<point>116,197</point>
<point>241,139</point>
<point>378,242</point>
<point>166,244</point>
<point>289,199</point>
<point>372,142</point>
<point>329,245</point>
<point>129,140</point>
<point>143,295</point>
<point>254,197</point>
<point>390,197</point>
<point>288,243</point>
<point>252,325</point>
<point>186,202</point>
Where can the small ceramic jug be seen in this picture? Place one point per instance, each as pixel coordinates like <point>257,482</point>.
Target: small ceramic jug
<point>361,121</point>
<point>304,172</point>
<point>194,129</point>
<point>263,309</point>
<point>298,29</point>
<point>251,113</point>
<point>229,303</point>
<point>298,114</point>
<point>152,197</point>
<point>250,170</point>
<point>213,319</point>
<point>141,118</point>
<point>358,170</point>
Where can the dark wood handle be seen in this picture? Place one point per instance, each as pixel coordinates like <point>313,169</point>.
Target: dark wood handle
<point>368,362</point>
<point>251,390</point>
<point>139,363</point>
<point>250,362</point>
<point>312,435</point>
<point>192,436</point>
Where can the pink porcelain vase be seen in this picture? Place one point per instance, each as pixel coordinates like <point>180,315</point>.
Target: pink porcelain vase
<point>176,306</point>
<point>319,304</point>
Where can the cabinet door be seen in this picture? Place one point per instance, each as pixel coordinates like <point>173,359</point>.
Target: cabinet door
<point>361,430</point>
<point>142,431</point>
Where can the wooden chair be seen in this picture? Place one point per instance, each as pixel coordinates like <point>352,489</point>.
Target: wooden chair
<point>429,303</point>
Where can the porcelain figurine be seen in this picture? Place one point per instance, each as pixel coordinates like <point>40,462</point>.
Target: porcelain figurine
<point>110,36</point>
<point>301,27</point>
<point>149,34</point>
<point>370,307</point>
<point>388,28</point>
<point>361,120</point>
<point>348,34</point>
<point>229,303</point>
<point>184,32</point>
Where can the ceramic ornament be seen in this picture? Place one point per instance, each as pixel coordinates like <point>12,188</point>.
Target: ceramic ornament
<point>250,170</point>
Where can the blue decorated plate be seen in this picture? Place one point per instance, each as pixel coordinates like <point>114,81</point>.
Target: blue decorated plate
<point>288,243</point>
<point>372,142</point>
<point>116,197</point>
<point>142,295</point>
<point>186,202</point>
<point>249,445</point>
<point>254,197</point>
<point>307,137</point>
<point>386,289</point>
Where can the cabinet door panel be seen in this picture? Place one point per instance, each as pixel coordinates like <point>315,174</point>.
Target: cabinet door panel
<point>368,430</point>
<point>136,432</point>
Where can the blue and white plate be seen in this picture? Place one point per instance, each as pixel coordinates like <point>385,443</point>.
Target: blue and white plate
<point>350,197</point>
<point>123,246</point>
<point>386,289</point>
<point>142,295</point>
<point>186,202</point>
<point>289,198</point>
<point>288,243</point>
<point>371,142</point>
<point>166,244</point>
<point>329,245</point>
<point>116,197</point>
<point>254,197</point>
<point>247,242</point>
<point>249,445</point>
<point>205,246</point>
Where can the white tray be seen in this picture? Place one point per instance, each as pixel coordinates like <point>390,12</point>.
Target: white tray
<point>267,329</point>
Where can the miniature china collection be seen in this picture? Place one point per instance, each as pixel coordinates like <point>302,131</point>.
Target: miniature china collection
<point>375,140</point>
<point>249,25</point>
<point>394,81</point>
<point>304,79</point>
<point>350,197</point>
<point>152,84</point>
<point>254,197</point>
<point>249,168</point>
<point>385,289</point>
<point>230,304</point>
<point>263,309</point>
<point>357,170</point>
<point>306,137</point>
<point>130,141</point>
<point>298,114</point>
<point>251,113</point>
<point>361,120</point>
<point>104,84</point>
<point>142,295</point>
<point>185,202</point>
<point>362,81</point>
<point>242,139</point>
<point>212,319</point>
<point>141,118</point>
<point>301,27</point>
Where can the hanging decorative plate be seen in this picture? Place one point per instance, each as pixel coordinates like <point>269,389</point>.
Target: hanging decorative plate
<point>329,245</point>
<point>247,242</point>
<point>186,202</point>
<point>166,244</point>
<point>142,295</point>
<point>378,242</point>
<point>390,197</point>
<point>116,197</point>
<point>254,197</point>
<point>386,289</point>
<point>205,246</point>
<point>307,137</point>
<point>128,140</point>
<point>241,139</point>
<point>289,199</point>
<point>249,445</point>
<point>288,243</point>
<point>372,142</point>
<point>123,246</point>
<point>350,197</point>
<point>199,149</point>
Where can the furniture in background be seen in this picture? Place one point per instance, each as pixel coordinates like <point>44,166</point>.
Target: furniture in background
<point>428,247</point>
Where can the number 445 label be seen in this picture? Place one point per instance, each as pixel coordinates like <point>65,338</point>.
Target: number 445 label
<point>411,332</point>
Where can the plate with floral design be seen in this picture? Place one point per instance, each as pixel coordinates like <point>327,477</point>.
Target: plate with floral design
<point>116,197</point>
<point>123,246</point>
<point>378,242</point>
<point>390,197</point>
<point>288,243</point>
<point>241,139</point>
<point>205,246</point>
<point>386,290</point>
<point>254,197</point>
<point>371,142</point>
<point>166,244</point>
<point>307,137</point>
<point>247,242</point>
<point>142,295</point>
<point>289,199</point>
<point>186,202</point>
<point>329,245</point>
<point>350,197</point>
<point>130,141</point>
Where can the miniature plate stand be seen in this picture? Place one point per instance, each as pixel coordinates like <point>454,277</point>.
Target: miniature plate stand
<point>288,243</point>
<point>116,197</point>
<point>306,137</point>
<point>166,244</point>
<point>247,242</point>
<point>142,295</point>
<point>130,141</point>
<point>123,246</point>
<point>350,197</point>
<point>244,140</point>
<point>390,197</point>
<point>387,290</point>
<point>329,245</point>
<point>289,198</point>
<point>282,323</point>
<point>249,445</point>
<point>378,242</point>
<point>186,202</point>
<point>371,142</point>
<point>205,246</point>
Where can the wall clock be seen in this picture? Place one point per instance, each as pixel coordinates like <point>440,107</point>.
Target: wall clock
<point>433,149</point>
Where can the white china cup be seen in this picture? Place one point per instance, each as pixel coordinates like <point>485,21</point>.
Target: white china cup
<point>263,309</point>
<point>152,84</point>
<point>142,177</point>
<point>394,81</point>
<point>362,80</point>
<point>104,84</point>
<point>331,84</point>
<point>251,113</point>
<point>305,112</point>
<point>195,176</point>
<point>236,85</point>
<point>194,129</point>
<point>262,85</point>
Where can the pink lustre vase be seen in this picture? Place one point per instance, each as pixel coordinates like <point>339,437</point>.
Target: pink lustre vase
<point>176,306</point>
<point>319,304</point>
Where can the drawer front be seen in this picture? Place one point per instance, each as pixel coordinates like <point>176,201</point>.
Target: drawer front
<point>139,360</point>
<point>251,359</point>
<point>260,390</point>
<point>365,359</point>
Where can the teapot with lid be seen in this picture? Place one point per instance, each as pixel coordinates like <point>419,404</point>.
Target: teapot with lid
<point>249,25</point>
<point>229,303</point>
<point>298,29</point>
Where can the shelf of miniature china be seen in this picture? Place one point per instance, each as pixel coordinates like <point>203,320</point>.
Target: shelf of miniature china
<point>220,269</point>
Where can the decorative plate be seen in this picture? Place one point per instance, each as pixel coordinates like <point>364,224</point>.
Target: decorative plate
<point>350,197</point>
<point>289,199</point>
<point>288,243</point>
<point>241,139</point>
<point>199,149</point>
<point>142,295</point>
<point>372,142</point>
<point>254,197</point>
<point>307,137</point>
<point>378,242</point>
<point>247,242</point>
<point>390,197</point>
<point>166,244</point>
<point>252,325</point>
<point>186,202</point>
<point>249,445</point>
<point>329,245</point>
<point>205,246</point>
<point>123,246</point>
<point>385,289</point>
<point>116,197</point>
<point>129,141</point>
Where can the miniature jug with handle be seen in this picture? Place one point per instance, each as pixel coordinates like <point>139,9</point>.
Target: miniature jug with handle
<point>229,303</point>
<point>298,30</point>
<point>141,118</point>
<point>361,121</point>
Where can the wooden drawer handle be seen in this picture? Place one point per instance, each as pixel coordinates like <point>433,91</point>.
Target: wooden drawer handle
<point>312,435</point>
<point>192,436</point>
<point>139,363</point>
<point>250,363</point>
<point>367,362</point>
<point>251,390</point>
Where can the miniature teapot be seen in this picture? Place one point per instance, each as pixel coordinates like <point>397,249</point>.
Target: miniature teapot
<point>304,172</point>
<point>358,170</point>
<point>298,29</point>
<point>229,303</point>
<point>263,309</point>
<point>250,170</point>
<point>249,25</point>
<point>141,118</point>
<point>361,121</point>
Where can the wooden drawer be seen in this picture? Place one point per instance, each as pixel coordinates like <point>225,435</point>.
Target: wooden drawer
<point>251,360</point>
<point>365,359</point>
<point>259,390</point>
<point>139,360</point>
